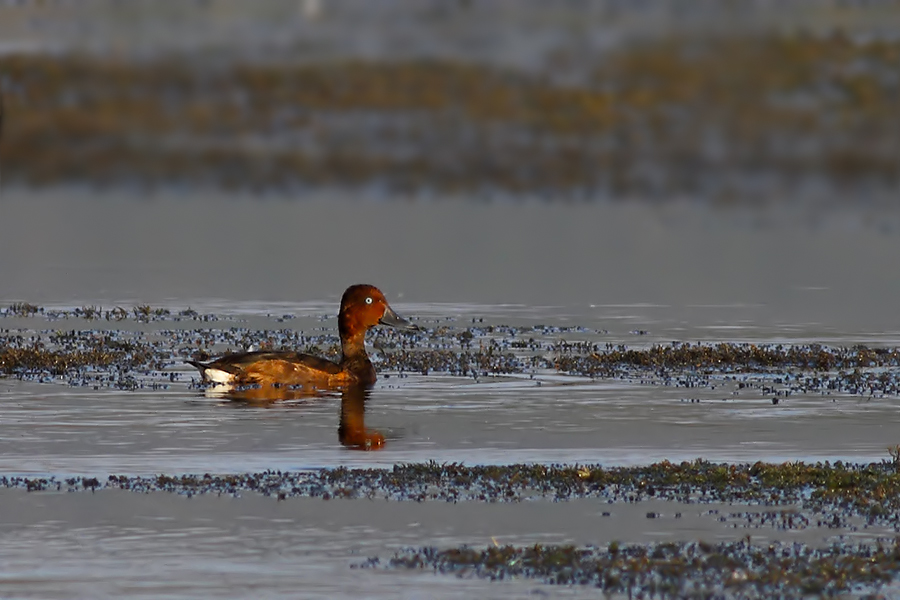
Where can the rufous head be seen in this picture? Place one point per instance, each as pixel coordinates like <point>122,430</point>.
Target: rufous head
<point>363,307</point>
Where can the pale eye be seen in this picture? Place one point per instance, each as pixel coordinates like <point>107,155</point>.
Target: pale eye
<point>368,301</point>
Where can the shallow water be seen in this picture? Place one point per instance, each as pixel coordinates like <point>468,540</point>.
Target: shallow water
<point>633,274</point>
<point>49,428</point>
<point>163,545</point>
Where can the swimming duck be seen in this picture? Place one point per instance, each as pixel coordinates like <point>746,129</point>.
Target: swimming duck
<point>362,307</point>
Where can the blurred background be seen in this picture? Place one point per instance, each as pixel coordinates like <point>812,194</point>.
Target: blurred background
<point>568,153</point>
<point>749,101</point>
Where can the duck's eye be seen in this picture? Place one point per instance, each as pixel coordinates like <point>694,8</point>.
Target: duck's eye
<point>369,300</point>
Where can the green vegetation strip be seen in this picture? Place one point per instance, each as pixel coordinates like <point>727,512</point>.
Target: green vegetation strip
<point>141,350</point>
<point>870,491</point>
<point>725,356</point>
<point>676,570</point>
<point>832,493</point>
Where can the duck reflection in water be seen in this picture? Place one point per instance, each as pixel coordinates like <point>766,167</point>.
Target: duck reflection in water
<point>352,431</point>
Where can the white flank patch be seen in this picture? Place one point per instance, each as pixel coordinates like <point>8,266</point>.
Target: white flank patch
<point>218,376</point>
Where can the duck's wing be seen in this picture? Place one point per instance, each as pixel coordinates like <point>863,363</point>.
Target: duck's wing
<point>265,365</point>
<point>241,361</point>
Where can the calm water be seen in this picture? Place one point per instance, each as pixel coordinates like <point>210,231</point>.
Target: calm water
<point>682,271</point>
<point>55,429</point>
<point>634,274</point>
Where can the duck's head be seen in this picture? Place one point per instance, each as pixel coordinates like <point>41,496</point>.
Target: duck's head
<point>363,307</point>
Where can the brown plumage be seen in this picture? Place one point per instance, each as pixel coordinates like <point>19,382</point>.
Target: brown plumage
<point>362,307</point>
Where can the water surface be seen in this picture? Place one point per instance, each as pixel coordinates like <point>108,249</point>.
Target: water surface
<point>604,273</point>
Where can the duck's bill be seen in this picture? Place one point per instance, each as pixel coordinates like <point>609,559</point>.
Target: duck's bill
<point>392,319</point>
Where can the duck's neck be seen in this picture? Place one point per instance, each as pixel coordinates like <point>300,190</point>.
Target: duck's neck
<point>354,357</point>
<point>354,346</point>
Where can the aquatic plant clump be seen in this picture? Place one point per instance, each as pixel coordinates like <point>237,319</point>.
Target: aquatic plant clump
<point>82,358</point>
<point>675,570</point>
<point>149,346</point>
<point>723,357</point>
<point>834,492</point>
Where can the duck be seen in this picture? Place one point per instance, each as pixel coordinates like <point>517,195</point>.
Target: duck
<point>363,307</point>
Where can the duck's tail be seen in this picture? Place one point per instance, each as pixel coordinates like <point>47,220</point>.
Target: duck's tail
<point>199,366</point>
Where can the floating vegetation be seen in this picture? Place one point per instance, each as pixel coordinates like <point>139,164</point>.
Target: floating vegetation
<point>142,313</point>
<point>84,359</point>
<point>739,117</point>
<point>831,493</point>
<point>155,355</point>
<point>785,369</point>
<point>788,496</point>
<point>676,569</point>
<point>23,309</point>
<point>728,356</point>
